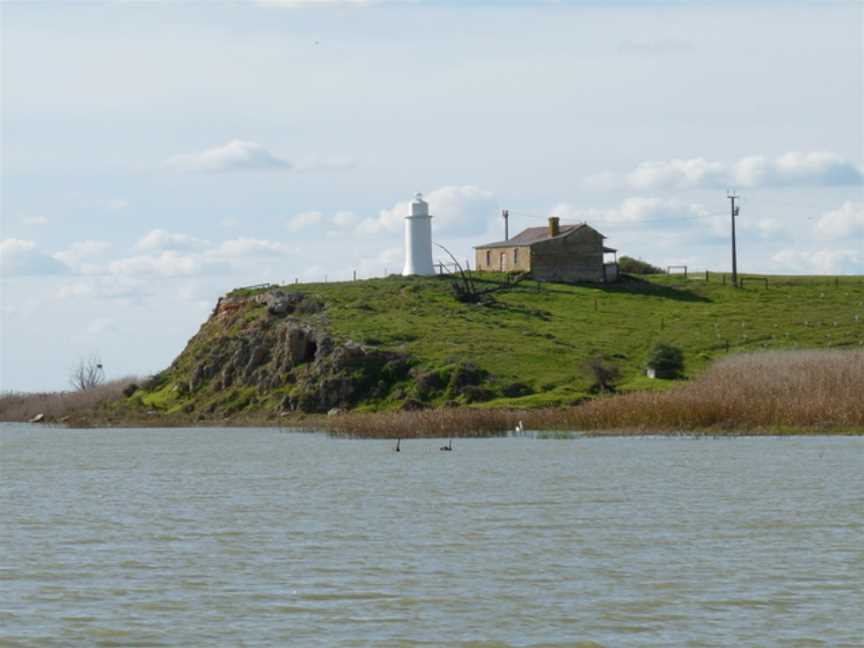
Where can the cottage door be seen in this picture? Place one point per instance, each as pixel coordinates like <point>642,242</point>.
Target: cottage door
<point>502,261</point>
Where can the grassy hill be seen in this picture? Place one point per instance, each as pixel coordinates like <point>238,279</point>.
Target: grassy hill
<point>387,344</point>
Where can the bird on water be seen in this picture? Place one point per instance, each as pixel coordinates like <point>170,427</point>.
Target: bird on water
<point>448,447</point>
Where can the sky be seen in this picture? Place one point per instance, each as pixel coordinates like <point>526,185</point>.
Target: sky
<point>154,156</point>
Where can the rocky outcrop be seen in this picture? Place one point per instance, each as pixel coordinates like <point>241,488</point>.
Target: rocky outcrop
<point>278,342</point>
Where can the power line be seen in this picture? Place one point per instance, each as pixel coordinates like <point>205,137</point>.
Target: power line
<point>616,221</point>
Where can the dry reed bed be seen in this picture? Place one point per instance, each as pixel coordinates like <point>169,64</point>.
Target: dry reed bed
<point>780,389</point>
<point>57,405</point>
<point>426,423</point>
<point>758,392</point>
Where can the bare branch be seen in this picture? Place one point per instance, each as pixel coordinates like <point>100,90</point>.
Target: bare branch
<point>87,374</point>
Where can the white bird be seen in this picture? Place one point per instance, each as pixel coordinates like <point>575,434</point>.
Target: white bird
<point>519,427</point>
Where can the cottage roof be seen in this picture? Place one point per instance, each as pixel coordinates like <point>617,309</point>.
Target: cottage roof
<point>532,235</point>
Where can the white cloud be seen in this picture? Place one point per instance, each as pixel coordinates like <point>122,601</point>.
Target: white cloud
<point>388,261</point>
<point>158,240</point>
<point>34,220</point>
<point>825,261</point>
<point>75,253</point>
<point>338,225</point>
<point>167,264</point>
<point>696,172</point>
<point>635,210</point>
<point>116,287</point>
<point>236,155</point>
<point>21,258</point>
<point>304,220</point>
<point>671,218</point>
<point>245,247</point>
<point>790,169</point>
<point>844,222</point>
<point>345,219</point>
<point>117,203</point>
<point>456,211</point>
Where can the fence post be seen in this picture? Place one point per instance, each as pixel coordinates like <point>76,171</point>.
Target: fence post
<point>706,276</point>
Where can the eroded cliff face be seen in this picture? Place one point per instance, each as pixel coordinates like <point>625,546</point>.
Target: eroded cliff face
<point>273,350</point>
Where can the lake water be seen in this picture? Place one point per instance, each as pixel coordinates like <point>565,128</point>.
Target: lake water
<point>264,537</point>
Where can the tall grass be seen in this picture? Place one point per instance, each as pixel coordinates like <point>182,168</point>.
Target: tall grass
<point>766,391</point>
<point>20,406</point>
<point>774,389</point>
<point>461,422</point>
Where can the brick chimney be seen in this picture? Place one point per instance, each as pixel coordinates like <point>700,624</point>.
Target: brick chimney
<point>554,229</point>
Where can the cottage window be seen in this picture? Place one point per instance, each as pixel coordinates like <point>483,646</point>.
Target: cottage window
<point>515,256</point>
<point>488,258</point>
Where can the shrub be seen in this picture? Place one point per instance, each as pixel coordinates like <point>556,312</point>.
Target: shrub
<point>428,382</point>
<point>477,394</point>
<point>666,360</point>
<point>516,389</point>
<point>463,376</point>
<point>604,374</point>
<point>637,266</point>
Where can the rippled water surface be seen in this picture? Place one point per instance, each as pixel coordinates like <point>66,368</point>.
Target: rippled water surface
<point>261,537</point>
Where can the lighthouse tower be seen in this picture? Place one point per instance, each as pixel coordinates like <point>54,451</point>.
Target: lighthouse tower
<point>418,239</point>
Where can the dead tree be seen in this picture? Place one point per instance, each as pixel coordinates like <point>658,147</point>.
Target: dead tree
<point>87,374</point>
<point>464,287</point>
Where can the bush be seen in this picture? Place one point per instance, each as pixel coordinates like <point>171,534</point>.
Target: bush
<point>428,382</point>
<point>476,394</point>
<point>637,266</point>
<point>516,389</point>
<point>666,360</point>
<point>605,374</point>
<point>463,376</point>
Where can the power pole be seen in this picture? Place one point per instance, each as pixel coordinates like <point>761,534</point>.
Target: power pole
<point>734,210</point>
<point>506,215</point>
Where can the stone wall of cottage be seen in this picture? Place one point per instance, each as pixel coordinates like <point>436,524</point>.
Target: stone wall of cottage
<point>506,259</point>
<point>577,257</point>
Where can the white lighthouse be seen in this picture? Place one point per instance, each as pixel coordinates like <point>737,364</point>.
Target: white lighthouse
<point>418,239</point>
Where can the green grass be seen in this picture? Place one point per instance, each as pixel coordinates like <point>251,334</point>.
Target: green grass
<point>541,334</point>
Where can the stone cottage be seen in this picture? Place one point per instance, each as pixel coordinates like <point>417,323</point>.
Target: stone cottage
<point>568,253</point>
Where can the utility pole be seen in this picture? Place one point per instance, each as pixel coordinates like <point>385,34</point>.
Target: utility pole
<point>734,210</point>
<point>506,215</point>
